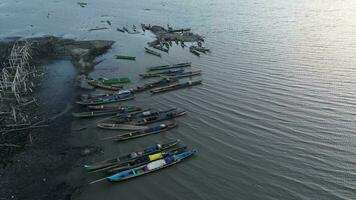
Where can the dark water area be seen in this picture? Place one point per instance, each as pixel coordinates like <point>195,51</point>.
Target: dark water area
<point>274,116</point>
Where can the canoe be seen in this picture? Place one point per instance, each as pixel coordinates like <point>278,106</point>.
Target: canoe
<point>151,167</point>
<point>124,127</point>
<point>160,83</point>
<point>118,110</point>
<point>194,52</point>
<point>145,160</point>
<point>161,48</point>
<point>149,131</point>
<point>121,96</point>
<point>103,86</point>
<point>182,74</point>
<point>173,66</point>
<point>158,74</point>
<point>140,119</point>
<point>157,118</point>
<point>106,107</point>
<point>125,57</point>
<point>152,52</point>
<point>175,86</point>
<point>131,156</point>
<point>110,81</point>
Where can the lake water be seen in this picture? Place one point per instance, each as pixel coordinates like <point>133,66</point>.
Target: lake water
<point>274,118</point>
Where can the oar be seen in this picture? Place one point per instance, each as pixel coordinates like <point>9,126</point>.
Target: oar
<point>96,181</point>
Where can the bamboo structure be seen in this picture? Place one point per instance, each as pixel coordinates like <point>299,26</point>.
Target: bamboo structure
<point>17,83</point>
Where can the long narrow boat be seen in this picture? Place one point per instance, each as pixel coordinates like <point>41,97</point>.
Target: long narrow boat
<point>121,96</point>
<point>194,52</point>
<point>173,66</point>
<point>159,83</point>
<point>110,81</point>
<point>149,131</point>
<point>104,86</point>
<point>144,160</point>
<point>161,48</point>
<point>151,167</point>
<point>158,74</point>
<point>125,57</point>
<point>118,110</point>
<point>106,107</point>
<point>175,86</point>
<point>150,51</point>
<point>182,74</point>
<point>131,156</point>
<point>140,119</point>
<point>124,127</point>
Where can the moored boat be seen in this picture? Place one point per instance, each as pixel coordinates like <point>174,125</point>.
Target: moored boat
<point>175,86</point>
<point>148,131</point>
<point>131,156</point>
<point>150,51</point>
<point>161,48</point>
<point>182,74</point>
<point>121,96</point>
<point>145,160</point>
<point>125,57</point>
<point>140,119</point>
<point>160,83</point>
<point>173,66</point>
<point>151,167</point>
<point>158,74</point>
<point>104,86</point>
<point>110,81</point>
<point>118,110</point>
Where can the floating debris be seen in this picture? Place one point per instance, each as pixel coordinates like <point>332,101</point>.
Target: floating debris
<point>82,4</point>
<point>97,28</point>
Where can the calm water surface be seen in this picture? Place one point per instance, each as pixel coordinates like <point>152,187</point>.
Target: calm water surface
<point>275,116</point>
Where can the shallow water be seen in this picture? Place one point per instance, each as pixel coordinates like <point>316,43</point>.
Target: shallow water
<point>274,116</point>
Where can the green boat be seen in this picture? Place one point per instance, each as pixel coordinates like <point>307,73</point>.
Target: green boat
<point>173,66</point>
<point>125,57</point>
<point>152,52</point>
<point>109,81</point>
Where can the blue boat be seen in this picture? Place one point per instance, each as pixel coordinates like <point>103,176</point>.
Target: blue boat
<point>151,167</point>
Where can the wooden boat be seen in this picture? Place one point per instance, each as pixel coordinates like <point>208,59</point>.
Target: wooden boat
<point>131,156</point>
<point>145,160</point>
<point>124,127</point>
<point>149,131</point>
<point>194,52</point>
<point>125,57</point>
<point>161,48</point>
<point>152,52</point>
<point>182,74</point>
<point>175,86</point>
<point>173,66</point>
<point>157,118</point>
<point>158,74</point>
<point>121,96</point>
<point>121,30</point>
<point>118,110</point>
<point>159,83</point>
<point>110,81</point>
<point>151,167</point>
<point>103,86</point>
<point>140,119</point>
<point>125,29</point>
<point>106,107</point>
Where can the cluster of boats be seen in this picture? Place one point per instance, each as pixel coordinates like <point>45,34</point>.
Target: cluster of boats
<point>138,122</point>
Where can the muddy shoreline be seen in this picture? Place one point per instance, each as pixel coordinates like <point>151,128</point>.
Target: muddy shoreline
<point>50,167</point>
